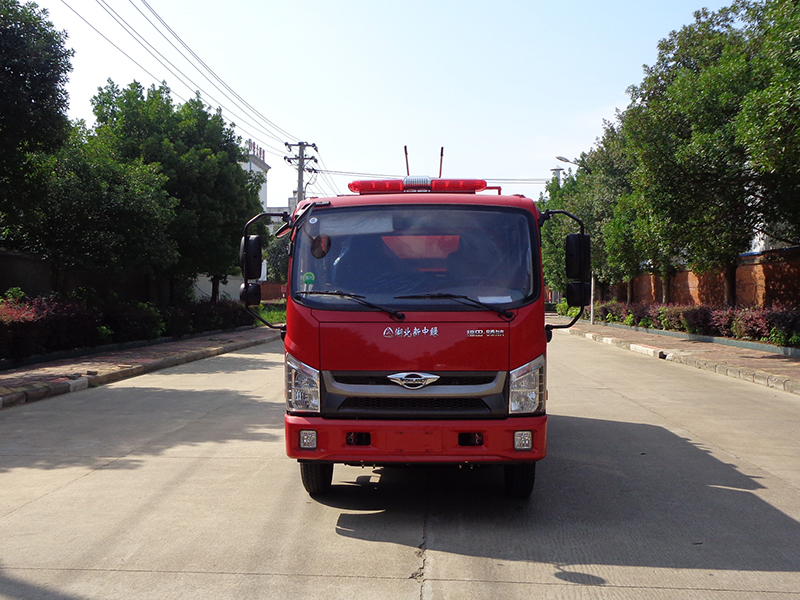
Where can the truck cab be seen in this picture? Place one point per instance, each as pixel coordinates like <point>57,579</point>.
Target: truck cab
<point>415,330</point>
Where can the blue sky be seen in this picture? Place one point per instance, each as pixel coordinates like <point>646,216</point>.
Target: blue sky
<point>504,86</point>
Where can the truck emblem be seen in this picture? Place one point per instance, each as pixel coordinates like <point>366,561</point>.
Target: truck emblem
<point>413,381</point>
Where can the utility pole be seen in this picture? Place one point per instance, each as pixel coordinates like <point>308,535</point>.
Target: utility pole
<point>300,161</point>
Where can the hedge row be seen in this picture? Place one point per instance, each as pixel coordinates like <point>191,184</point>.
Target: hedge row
<point>44,325</point>
<point>777,324</point>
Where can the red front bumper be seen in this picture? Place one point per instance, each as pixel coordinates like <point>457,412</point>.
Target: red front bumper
<point>416,441</point>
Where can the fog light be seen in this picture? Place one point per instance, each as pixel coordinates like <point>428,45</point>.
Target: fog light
<point>308,439</point>
<point>523,440</point>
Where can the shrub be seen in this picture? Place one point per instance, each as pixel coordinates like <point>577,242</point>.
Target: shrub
<point>777,324</point>
<point>133,322</point>
<point>646,322</point>
<point>14,295</point>
<point>670,318</point>
<point>722,321</point>
<point>612,312</point>
<point>696,319</point>
<point>177,321</point>
<point>750,324</point>
<point>44,325</point>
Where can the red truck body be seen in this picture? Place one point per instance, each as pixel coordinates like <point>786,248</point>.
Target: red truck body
<point>415,331</point>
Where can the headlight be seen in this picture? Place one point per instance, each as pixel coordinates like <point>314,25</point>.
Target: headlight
<point>302,386</point>
<point>527,388</point>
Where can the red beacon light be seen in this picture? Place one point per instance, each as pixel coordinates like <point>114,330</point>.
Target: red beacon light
<point>457,185</point>
<point>416,184</point>
<point>376,186</point>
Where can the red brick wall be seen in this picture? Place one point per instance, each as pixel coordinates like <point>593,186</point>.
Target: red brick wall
<point>271,291</point>
<point>761,280</point>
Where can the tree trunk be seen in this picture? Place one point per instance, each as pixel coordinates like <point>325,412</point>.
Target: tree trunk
<point>58,278</point>
<point>665,289</point>
<point>629,291</point>
<point>730,284</point>
<point>214,289</point>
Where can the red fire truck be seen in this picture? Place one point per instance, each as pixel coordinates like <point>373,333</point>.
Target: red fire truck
<point>415,327</point>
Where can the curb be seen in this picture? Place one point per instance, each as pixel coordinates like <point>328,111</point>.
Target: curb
<point>777,382</point>
<point>65,385</point>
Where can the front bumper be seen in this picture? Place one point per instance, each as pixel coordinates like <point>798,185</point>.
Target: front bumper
<point>410,441</point>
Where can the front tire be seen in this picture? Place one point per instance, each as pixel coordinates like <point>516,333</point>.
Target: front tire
<point>317,477</point>
<point>519,479</point>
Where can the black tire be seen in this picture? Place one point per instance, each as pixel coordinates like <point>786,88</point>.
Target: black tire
<point>317,477</point>
<point>519,479</point>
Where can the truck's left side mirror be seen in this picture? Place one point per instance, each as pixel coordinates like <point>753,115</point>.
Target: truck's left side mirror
<point>250,256</point>
<point>578,259</point>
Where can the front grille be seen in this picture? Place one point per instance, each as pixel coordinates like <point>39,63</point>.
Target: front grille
<point>416,405</point>
<point>455,395</point>
<point>448,379</point>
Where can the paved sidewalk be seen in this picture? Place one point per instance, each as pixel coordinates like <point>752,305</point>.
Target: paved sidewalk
<point>45,380</point>
<point>769,369</point>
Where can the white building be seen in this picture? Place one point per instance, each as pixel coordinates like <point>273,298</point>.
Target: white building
<point>257,163</point>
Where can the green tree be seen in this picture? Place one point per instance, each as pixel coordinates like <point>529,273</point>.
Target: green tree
<point>768,124</point>
<point>690,169</point>
<point>100,214</point>
<point>277,257</point>
<point>591,194</point>
<point>200,156</point>
<point>35,64</point>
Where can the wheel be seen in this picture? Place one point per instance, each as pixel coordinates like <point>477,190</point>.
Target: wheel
<point>316,477</point>
<point>519,479</point>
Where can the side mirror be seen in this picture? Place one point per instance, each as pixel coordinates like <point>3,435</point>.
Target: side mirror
<point>579,266</point>
<point>578,255</point>
<point>579,293</point>
<point>250,295</point>
<point>250,256</point>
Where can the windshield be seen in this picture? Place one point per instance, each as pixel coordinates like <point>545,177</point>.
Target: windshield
<point>412,257</point>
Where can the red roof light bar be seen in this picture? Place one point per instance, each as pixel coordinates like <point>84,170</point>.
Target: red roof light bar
<point>376,186</point>
<point>416,184</point>
<point>457,185</point>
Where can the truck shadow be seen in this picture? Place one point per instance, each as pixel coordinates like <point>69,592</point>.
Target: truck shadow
<point>19,589</point>
<point>608,493</point>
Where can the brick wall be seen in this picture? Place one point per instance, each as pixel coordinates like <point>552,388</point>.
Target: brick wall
<point>761,280</point>
<point>271,291</point>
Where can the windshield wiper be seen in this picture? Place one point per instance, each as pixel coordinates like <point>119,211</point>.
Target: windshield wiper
<point>356,298</point>
<point>459,298</point>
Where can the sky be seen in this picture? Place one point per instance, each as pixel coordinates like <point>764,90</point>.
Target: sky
<point>504,86</point>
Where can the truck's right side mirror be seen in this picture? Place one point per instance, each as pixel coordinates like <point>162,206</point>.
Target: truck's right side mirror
<point>578,259</point>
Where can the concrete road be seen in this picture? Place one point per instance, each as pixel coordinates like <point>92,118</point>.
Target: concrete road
<point>662,482</point>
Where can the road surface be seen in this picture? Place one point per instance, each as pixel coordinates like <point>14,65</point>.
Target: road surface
<point>661,482</point>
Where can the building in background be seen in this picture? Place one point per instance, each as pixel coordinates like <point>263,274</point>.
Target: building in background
<point>257,163</point>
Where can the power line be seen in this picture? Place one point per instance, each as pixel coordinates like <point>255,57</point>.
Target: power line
<point>115,46</point>
<point>131,30</point>
<point>138,38</point>
<point>178,50</point>
<point>211,71</point>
